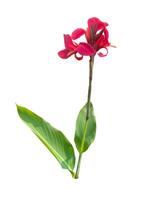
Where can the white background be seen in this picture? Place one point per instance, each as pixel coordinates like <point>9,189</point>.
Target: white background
<point>117,165</point>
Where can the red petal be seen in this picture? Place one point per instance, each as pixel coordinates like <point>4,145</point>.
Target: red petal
<point>88,35</point>
<point>85,49</point>
<point>77,33</point>
<point>95,24</point>
<point>68,42</point>
<point>106,33</point>
<point>102,42</point>
<point>65,53</point>
<point>102,54</point>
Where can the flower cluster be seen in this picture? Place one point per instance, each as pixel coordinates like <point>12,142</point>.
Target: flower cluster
<point>96,36</point>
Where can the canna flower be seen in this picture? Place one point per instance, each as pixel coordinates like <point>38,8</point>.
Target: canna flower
<point>96,35</point>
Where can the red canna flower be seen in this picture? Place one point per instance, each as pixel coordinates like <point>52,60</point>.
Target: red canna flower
<point>84,49</point>
<point>97,38</point>
<point>96,35</point>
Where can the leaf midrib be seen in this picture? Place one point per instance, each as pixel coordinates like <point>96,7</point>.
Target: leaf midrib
<point>84,135</point>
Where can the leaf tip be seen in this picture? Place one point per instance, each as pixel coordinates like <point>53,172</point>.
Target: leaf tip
<point>18,107</point>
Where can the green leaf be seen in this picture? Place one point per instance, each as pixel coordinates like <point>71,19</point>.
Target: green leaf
<point>85,129</point>
<point>52,138</point>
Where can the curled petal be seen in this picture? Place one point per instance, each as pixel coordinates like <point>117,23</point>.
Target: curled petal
<point>64,54</point>
<point>68,42</point>
<point>78,57</point>
<point>77,33</point>
<point>103,54</point>
<point>85,49</point>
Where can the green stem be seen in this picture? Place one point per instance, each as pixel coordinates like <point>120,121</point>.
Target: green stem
<point>91,64</point>
<point>78,166</point>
